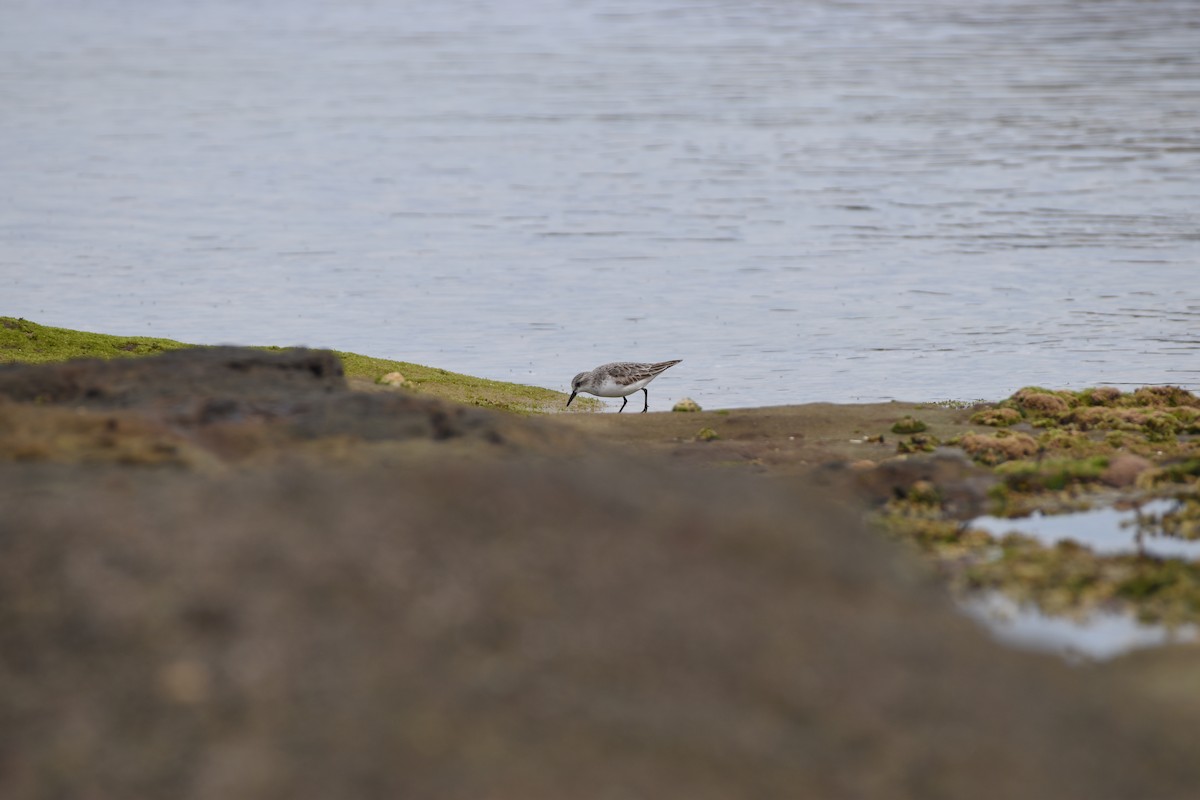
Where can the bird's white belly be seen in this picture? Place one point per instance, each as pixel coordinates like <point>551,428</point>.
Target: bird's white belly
<point>611,388</point>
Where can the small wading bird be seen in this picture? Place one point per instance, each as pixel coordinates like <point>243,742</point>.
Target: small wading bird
<point>620,379</point>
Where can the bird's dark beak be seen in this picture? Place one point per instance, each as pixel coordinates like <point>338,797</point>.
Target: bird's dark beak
<point>572,397</point>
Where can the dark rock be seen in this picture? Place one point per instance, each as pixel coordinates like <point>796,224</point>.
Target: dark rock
<point>962,485</point>
<point>303,392</point>
<point>255,377</point>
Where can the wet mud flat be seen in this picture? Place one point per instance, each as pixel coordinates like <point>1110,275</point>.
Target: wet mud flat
<point>226,573</point>
<point>969,488</point>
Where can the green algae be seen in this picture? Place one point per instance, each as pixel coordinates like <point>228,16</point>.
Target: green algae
<point>22,341</point>
<point>467,389</point>
<point>1051,474</point>
<point>1160,411</point>
<point>909,425</point>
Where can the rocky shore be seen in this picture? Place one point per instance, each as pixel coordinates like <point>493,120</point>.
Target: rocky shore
<point>233,572</point>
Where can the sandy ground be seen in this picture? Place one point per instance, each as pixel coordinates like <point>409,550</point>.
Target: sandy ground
<point>783,440</point>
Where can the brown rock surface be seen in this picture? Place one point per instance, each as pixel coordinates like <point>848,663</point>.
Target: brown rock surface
<point>1124,469</point>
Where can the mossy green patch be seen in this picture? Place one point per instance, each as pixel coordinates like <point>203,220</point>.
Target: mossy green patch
<point>513,397</point>
<point>22,341</point>
<point>1051,474</point>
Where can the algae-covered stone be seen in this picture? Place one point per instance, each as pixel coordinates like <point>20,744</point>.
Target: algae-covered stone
<point>918,443</point>
<point>1104,418</point>
<point>996,417</point>
<point>1157,424</point>
<point>706,435</point>
<point>687,404</point>
<point>908,425</point>
<point>1041,401</point>
<point>1165,396</point>
<point>998,447</point>
<point>1101,396</point>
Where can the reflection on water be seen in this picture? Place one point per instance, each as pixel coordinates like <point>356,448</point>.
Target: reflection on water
<point>1096,636</point>
<point>1106,531</point>
<point>802,200</point>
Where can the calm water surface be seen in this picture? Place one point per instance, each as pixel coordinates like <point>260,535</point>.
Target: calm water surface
<point>802,200</point>
<point>1106,531</point>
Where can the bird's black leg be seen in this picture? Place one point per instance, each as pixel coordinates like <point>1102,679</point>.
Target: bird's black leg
<point>624,400</point>
<point>647,406</point>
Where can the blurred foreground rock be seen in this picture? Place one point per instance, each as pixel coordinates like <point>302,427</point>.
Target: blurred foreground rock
<point>203,407</point>
<point>481,617</point>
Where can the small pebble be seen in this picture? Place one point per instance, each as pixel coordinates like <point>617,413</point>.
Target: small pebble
<point>395,379</point>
